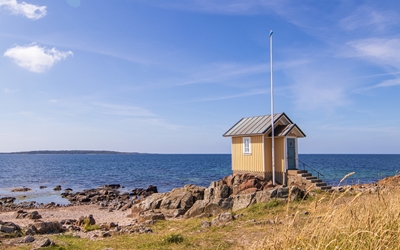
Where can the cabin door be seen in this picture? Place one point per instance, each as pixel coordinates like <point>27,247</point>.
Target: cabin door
<point>291,153</point>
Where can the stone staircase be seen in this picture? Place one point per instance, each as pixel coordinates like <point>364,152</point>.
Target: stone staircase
<point>304,175</point>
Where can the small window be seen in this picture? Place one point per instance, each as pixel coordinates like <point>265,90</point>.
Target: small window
<point>246,145</point>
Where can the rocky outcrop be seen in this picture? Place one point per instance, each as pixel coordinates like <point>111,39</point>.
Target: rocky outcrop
<point>109,196</point>
<point>45,227</point>
<point>21,214</point>
<point>9,228</point>
<point>233,192</point>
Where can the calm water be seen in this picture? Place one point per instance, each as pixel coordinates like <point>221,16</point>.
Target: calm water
<point>165,171</point>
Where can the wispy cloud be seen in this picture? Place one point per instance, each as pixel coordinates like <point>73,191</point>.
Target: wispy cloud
<point>35,58</point>
<point>30,11</point>
<point>221,72</point>
<point>235,7</point>
<point>9,91</point>
<point>387,83</point>
<point>122,110</point>
<point>377,50</point>
<point>367,17</point>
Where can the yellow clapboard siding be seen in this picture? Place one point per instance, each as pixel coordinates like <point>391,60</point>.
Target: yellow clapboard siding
<point>247,162</point>
<point>279,154</point>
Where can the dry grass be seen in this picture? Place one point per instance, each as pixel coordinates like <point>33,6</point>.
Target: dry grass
<point>342,221</point>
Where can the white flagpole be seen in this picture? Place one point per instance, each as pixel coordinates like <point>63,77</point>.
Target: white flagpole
<point>272,110</point>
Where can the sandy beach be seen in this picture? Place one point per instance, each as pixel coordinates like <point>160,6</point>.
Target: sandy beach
<point>101,215</point>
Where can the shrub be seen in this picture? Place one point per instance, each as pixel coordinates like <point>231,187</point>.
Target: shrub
<point>173,238</point>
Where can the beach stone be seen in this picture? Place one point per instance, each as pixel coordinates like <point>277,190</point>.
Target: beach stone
<point>7,229</point>
<point>34,215</point>
<point>42,187</point>
<point>57,188</point>
<point>46,242</point>
<point>28,239</point>
<point>49,227</point>
<point>29,231</point>
<point>105,234</point>
<point>8,200</point>
<point>21,189</point>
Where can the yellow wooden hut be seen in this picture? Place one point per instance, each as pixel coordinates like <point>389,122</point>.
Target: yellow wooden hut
<point>252,146</point>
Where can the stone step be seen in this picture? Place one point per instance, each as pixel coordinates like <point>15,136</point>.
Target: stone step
<point>315,181</point>
<point>304,174</point>
<point>309,178</point>
<point>296,172</point>
<point>326,187</point>
<point>320,184</point>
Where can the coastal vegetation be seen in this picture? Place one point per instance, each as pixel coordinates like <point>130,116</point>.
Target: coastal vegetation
<point>360,218</point>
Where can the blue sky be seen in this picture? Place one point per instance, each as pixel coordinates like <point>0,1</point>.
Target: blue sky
<point>173,76</point>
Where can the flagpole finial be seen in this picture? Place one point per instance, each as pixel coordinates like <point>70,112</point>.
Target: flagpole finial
<point>271,32</point>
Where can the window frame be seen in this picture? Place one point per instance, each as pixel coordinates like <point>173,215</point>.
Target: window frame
<point>247,150</point>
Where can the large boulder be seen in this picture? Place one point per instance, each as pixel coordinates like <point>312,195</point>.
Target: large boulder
<point>49,227</point>
<point>151,215</point>
<point>241,201</point>
<point>197,209</point>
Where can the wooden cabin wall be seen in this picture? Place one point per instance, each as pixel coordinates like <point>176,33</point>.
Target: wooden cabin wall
<point>279,154</point>
<point>252,162</point>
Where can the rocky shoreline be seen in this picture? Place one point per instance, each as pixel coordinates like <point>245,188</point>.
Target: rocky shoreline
<point>105,211</point>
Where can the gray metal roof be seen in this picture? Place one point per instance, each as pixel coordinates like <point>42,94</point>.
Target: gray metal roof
<point>255,125</point>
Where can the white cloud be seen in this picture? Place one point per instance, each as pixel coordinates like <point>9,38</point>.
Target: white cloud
<point>366,17</point>
<point>28,10</point>
<point>122,110</point>
<point>380,51</point>
<point>8,91</point>
<point>35,58</point>
<point>237,7</point>
<point>387,83</point>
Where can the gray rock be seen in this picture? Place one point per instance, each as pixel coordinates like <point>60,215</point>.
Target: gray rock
<point>105,234</point>
<point>46,242</point>
<point>197,209</point>
<point>34,215</point>
<point>205,224</point>
<point>7,229</point>
<point>151,215</point>
<point>243,201</point>
<point>263,196</point>
<point>28,239</point>
<point>49,227</point>
<point>222,219</point>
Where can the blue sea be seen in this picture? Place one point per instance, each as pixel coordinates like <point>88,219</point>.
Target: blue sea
<point>166,171</point>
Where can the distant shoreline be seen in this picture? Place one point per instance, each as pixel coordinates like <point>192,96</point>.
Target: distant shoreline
<point>72,152</point>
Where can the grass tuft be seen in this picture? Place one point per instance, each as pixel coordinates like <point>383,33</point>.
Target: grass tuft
<point>173,238</point>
